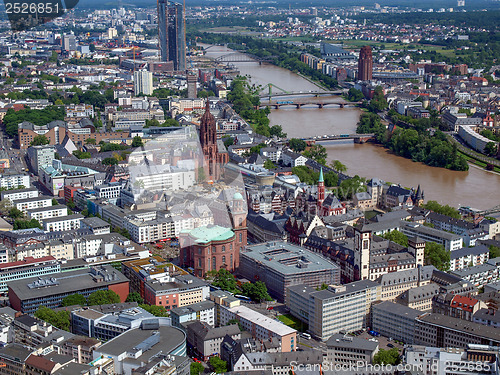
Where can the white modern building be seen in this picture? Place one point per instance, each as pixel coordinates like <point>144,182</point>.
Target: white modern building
<point>143,82</point>
<point>14,195</point>
<point>64,223</point>
<point>14,181</point>
<point>48,212</point>
<point>32,203</point>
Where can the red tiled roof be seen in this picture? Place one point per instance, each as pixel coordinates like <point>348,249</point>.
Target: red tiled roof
<point>40,363</point>
<point>463,302</point>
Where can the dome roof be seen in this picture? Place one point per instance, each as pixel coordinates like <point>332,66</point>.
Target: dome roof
<point>237,196</point>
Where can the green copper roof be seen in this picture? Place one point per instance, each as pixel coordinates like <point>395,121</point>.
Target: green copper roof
<point>238,196</point>
<point>321,176</point>
<point>211,233</point>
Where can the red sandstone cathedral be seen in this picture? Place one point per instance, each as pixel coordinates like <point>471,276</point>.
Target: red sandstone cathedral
<point>213,149</point>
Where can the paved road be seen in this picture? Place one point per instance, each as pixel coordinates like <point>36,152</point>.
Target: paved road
<point>16,156</point>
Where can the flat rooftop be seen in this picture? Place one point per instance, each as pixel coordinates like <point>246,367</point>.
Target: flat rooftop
<point>167,340</point>
<point>286,258</point>
<point>67,282</point>
<point>262,320</point>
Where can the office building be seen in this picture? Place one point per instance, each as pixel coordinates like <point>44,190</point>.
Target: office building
<point>365,64</point>
<point>192,80</point>
<point>26,268</point>
<point>104,322</point>
<point>163,284</point>
<point>69,43</point>
<point>343,350</point>
<point>137,347</point>
<point>203,311</point>
<point>338,308</point>
<point>172,34</point>
<point>207,340</point>
<point>450,241</point>
<point>445,331</point>
<point>281,265</point>
<point>143,82</point>
<point>28,294</point>
<point>260,326</point>
<point>475,359</point>
<point>394,320</point>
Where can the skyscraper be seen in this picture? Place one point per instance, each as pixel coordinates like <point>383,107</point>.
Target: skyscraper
<point>143,82</point>
<point>172,34</point>
<point>365,64</point>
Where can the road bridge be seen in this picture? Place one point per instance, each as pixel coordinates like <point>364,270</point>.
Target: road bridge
<point>357,138</point>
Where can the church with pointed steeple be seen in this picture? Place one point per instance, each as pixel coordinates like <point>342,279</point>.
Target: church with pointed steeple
<point>214,151</point>
<point>314,200</point>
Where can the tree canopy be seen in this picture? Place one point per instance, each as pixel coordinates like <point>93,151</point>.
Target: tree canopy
<point>397,236</point>
<point>218,365</point>
<point>39,140</point>
<point>59,319</point>
<point>225,280</point>
<point>443,209</point>
<point>74,299</point>
<point>297,145</point>
<point>103,297</point>
<point>437,255</point>
<point>134,297</point>
<point>387,357</point>
<point>256,291</point>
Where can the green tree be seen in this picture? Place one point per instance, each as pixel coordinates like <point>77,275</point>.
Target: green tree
<point>15,213</point>
<point>59,319</point>
<point>225,280</point>
<point>90,141</point>
<point>297,145</point>
<point>159,311</point>
<point>397,236</point>
<point>494,251</point>
<point>355,95</point>
<point>218,365</point>
<point>196,368</point>
<point>440,209</point>
<point>74,299</point>
<point>277,130</point>
<point>103,297</point>
<point>268,164</point>
<point>331,179</point>
<point>387,357</point>
<point>134,297</point>
<point>109,161</point>
<point>39,140</point>
<point>322,287</point>
<point>54,202</point>
<point>317,153</point>
<point>437,255</point>
<point>26,224</point>
<point>235,321</point>
<point>82,155</point>
<point>137,141</point>
<point>256,291</point>
<point>338,166</point>
<point>71,204</point>
<point>490,149</point>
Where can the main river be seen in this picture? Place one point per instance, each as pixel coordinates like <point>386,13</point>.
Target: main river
<point>476,188</point>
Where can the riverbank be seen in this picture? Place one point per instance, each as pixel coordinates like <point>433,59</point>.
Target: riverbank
<point>473,188</point>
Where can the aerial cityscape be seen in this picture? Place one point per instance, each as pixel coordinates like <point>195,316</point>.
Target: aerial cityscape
<point>250,188</point>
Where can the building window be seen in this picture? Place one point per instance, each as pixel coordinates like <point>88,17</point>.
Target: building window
<point>223,248</point>
<point>224,259</point>
<point>199,262</point>
<point>213,263</point>
<point>241,237</point>
<point>231,260</point>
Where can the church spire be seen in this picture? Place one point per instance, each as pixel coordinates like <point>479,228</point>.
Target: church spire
<point>321,179</point>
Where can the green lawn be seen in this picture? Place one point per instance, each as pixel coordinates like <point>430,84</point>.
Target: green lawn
<point>293,322</point>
